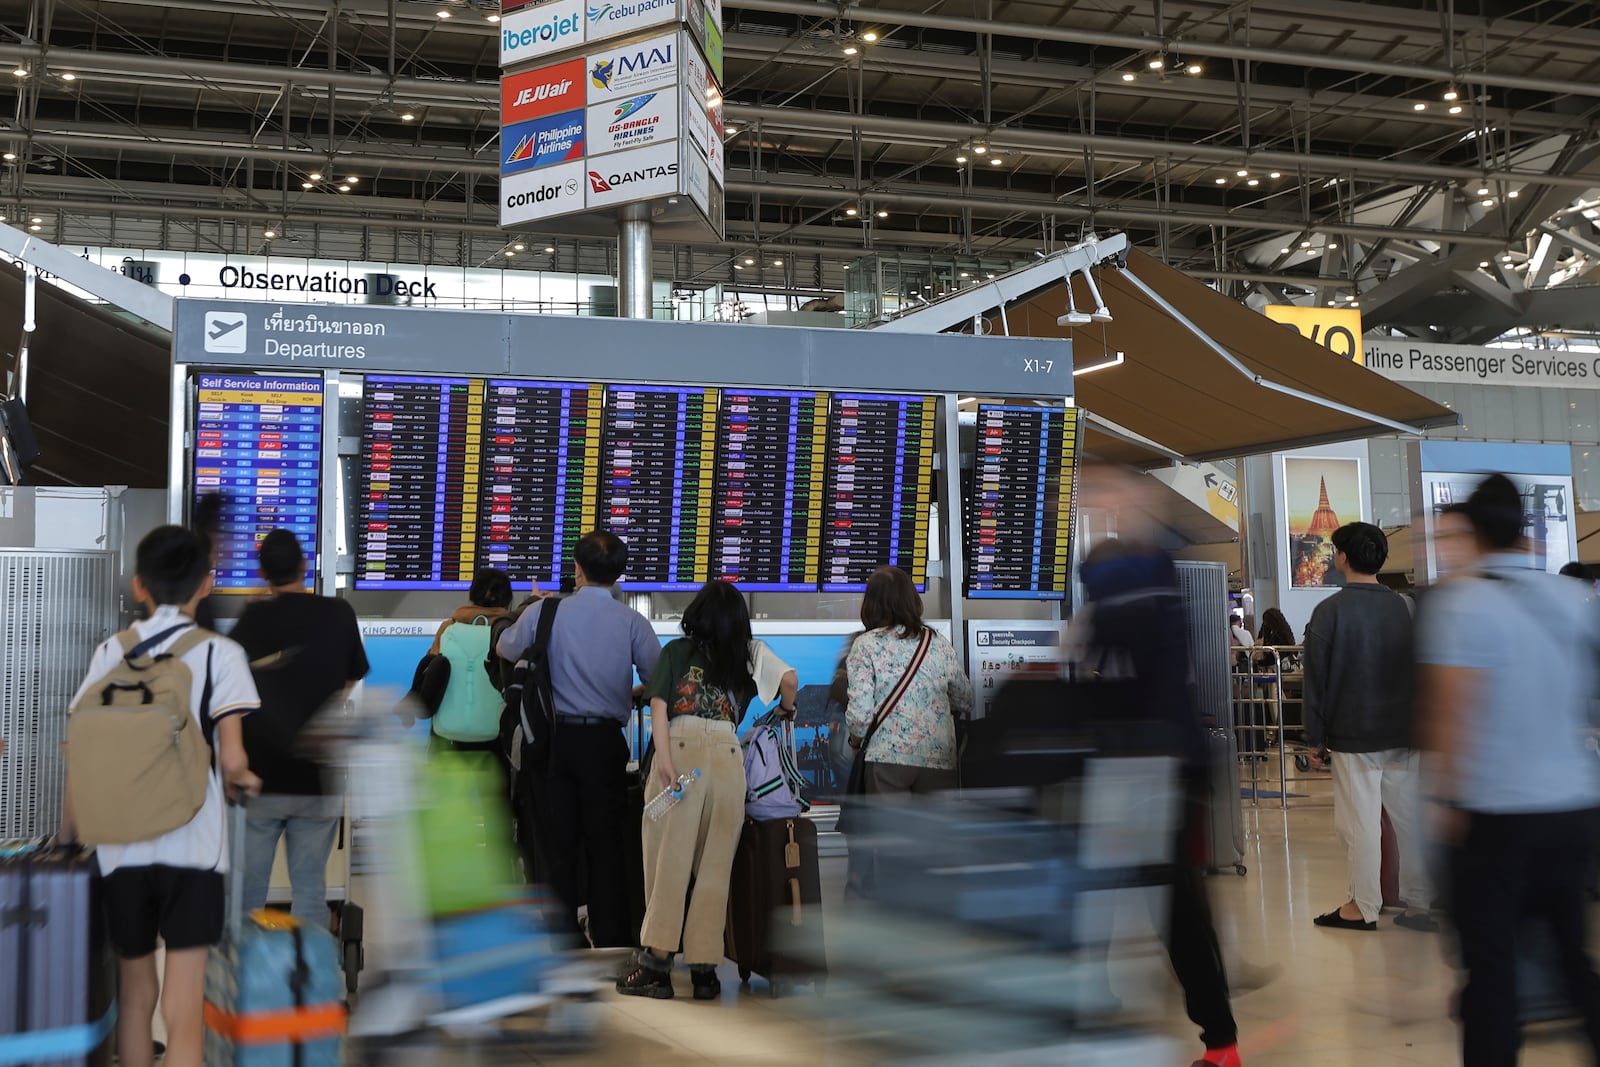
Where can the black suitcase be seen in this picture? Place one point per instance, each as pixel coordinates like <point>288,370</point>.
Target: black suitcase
<point>775,904</point>
<point>57,978</point>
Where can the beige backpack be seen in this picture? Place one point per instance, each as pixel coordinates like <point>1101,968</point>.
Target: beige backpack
<point>137,761</point>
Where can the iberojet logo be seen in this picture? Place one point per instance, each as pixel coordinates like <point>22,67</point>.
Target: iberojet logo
<point>541,29</point>
<point>636,68</point>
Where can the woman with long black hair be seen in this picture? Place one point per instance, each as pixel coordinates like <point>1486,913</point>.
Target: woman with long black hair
<point>698,694</point>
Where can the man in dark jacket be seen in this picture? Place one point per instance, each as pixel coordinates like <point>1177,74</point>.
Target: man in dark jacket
<point>1360,685</point>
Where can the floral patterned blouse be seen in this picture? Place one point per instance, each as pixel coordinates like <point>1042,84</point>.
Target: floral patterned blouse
<point>919,732</point>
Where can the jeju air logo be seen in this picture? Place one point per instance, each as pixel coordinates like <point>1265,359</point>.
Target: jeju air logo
<point>601,74</point>
<point>597,183</point>
<point>628,107</point>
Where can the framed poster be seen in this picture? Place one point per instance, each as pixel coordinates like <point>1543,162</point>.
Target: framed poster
<point>1320,494</point>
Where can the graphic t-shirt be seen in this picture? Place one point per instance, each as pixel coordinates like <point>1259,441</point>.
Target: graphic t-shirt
<point>680,680</point>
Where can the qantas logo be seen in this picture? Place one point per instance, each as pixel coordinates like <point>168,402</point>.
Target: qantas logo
<point>597,183</point>
<point>608,183</point>
<point>628,107</point>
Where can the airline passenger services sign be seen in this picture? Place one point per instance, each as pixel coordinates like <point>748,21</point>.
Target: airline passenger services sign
<point>1405,360</point>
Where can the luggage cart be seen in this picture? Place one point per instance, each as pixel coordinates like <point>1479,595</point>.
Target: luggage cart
<point>1269,718</point>
<point>488,977</point>
<point>346,918</point>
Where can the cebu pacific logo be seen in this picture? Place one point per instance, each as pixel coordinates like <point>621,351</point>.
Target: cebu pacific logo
<point>628,107</point>
<point>598,13</point>
<point>602,72</point>
<point>597,183</point>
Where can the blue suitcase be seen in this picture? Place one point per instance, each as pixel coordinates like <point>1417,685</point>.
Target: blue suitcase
<point>274,987</point>
<point>490,955</point>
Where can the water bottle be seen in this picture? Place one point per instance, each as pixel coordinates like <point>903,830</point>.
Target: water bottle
<point>668,798</point>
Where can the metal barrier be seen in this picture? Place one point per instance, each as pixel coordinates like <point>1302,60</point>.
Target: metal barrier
<point>1268,713</point>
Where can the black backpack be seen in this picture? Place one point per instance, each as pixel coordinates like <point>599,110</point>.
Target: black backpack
<point>528,717</point>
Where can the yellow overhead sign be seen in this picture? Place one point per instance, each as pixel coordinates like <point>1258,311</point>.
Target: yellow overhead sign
<point>1336,329</point>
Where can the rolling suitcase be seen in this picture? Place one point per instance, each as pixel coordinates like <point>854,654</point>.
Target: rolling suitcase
<point>775,904</point>
<point>1226,838</point>
<point>57,978</point>
<point>274,987</point>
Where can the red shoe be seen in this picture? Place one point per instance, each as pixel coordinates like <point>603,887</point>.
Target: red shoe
<point>1220,1057</point>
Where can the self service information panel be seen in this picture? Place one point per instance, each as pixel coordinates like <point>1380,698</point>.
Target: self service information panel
<point>656,482</point>
<point>258,442</point>
<point>772,451</point>
<point>459,474</point>
<point>878,487</point>
<point>1020,514</point>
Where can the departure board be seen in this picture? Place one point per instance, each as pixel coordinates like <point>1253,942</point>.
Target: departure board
<point>1019,525</point>
<point>419,482</point>
<point>258,442</point>
<point>878,487</point>
<point>772,451</point>
<point>657,466</point>
<point>541,454</point>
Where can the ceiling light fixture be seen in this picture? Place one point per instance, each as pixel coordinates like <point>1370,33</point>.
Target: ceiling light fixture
<point>269,234</point>
<point>1419,106</point>
<point>442,13</point>
<point>959,159</point>
<point>1333,244</point>
<point>492,17</point>
<point>850,49</point>
<point>1128,76</point>
<point>995,161</point>
<point>314,176</point>
<point>36,227</point>
<point>1158,63</point>
<point>883,214</point>
<point>1452,94</point>
<point>68,76</point>
<point>9,156</point>
<point>853,212</point>
<point>1483,263</point>
<point>1455,109</point>
<point>344,188</point>
<point>21,72</point>
<point>351,180</point>
<point>519,247</point>
<point>1222,181</point>
<point>980,149</point>
<point>550,249</point>
<point>509,253</point>
<point>1483,190</point>
<point>1488,203</point>
<point>1242,173</point>
<point>36,220</point>
<point>1253,181</point>
<point>1285,251</point>
<point>1512,195</point>
<point>777,263</point>
<point>749,262</point>
<point>1305,244</point>
<point>407,116</point>
<point>738,266</point>
<point>871,37</point>
<point>1276,175</point>
<point>1194,68</point>
<point>307,185</point>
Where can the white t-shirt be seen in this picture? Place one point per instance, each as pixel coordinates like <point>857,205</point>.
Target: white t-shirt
<point>767,670</point>
<point>202,841</point>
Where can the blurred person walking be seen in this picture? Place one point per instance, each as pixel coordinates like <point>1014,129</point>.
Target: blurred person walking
<point>596,645</point>
<point>1508,660</point>
<point>698,694</point>
<point>1360,686</point>
<point>1135,630</point>
<point>305,656</point>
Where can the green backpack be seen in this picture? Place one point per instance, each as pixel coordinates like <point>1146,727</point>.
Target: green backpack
<point>470,708</point>
<point>464,833</point>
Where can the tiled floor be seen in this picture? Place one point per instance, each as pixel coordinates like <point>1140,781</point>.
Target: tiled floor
<point>1341,1000</point>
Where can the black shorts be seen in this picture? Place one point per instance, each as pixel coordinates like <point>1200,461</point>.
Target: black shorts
<point>181,905</point>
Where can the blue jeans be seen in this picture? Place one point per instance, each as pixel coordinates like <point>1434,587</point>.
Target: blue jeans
<point>308,825</point>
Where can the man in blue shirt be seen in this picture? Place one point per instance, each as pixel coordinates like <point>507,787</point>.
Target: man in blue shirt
<point>596,645</point>
<point>1509,664</point>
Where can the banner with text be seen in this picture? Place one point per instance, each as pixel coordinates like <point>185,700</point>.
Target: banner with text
<point>1404,360</point>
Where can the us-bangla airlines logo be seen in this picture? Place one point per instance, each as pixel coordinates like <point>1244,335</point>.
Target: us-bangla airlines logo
<point>602,72</point>
<point>628,107</point>
<point>597,183</point>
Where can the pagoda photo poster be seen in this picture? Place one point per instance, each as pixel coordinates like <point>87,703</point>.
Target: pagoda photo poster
<point>1321,494</point>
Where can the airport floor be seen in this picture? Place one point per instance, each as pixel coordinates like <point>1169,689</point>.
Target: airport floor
<point>1342,999</point>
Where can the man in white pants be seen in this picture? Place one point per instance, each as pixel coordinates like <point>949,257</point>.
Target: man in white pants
<point>1359,691</point>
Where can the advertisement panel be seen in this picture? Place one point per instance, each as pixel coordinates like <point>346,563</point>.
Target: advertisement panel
<point>633,122</point>
<point>543,91</point>
<point>541,194</point>
<point>705,21</point>
<point>542,142</point>
<point>637,174</point>
<point>697,177</point>
<point>609,19</point>
<point>1321,494</point>
<point>633,69</point>
<point>1336,329</point>
<point>697,90</point>
<point>539,30</point>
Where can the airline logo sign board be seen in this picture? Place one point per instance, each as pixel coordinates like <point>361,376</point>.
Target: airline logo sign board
<point>633,69</point>
<point>542,142</point>
<point>538,30</point>
<point>633,122</point>
<point>637,174</point>
<point>705,22</point>
<point>609,19</point>
<point>1336,329</point>
<point>544,91</point>
<point>542,194</point>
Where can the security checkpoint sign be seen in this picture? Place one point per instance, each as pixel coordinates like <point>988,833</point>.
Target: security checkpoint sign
<point>999,648</point>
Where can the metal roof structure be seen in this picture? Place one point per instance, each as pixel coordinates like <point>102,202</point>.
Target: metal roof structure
<point>1434,160</point>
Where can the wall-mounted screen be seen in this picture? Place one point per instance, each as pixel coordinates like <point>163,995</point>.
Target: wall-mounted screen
<point>1020,516</point>
<point>657,470</point>
<point>772,451</point>
<point>878,488</point>
<point>258,442</point>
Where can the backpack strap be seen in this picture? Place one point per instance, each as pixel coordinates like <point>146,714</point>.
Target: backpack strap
<point>133,646</point>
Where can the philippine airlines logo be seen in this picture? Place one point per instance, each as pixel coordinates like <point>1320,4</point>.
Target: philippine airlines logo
<point>597,183</point>
<point>628,107</point>
<point>602,72</point>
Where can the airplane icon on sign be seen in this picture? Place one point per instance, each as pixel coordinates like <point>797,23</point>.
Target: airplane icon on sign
<point>225,331</point>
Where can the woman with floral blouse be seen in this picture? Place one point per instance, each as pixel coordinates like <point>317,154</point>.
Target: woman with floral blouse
<point>914,748</point>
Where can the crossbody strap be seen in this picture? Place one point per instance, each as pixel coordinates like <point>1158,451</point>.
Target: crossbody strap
<point>892,701</point>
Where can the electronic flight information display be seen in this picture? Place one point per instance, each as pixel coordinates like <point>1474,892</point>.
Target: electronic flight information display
<point>772,455</point>
<point>657,467</point>
<point>878,489</point>
<point>779,490</point>
<point>464,473</point>
<point>258,442</point>
<point>1019,524</point>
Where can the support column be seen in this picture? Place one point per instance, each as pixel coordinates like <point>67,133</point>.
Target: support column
<point>635,283</point>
